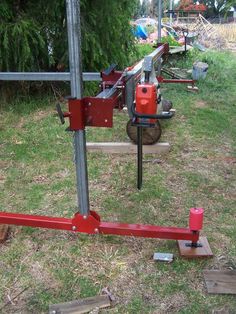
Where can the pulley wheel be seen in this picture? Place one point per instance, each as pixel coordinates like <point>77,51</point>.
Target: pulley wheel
<point>150,135</point>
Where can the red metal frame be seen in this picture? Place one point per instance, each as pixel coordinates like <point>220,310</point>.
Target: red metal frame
<point>98,112</point>
<point>93,225</point>
<point>161,79</point>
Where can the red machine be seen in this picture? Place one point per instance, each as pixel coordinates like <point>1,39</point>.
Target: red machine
<point>142,99</point>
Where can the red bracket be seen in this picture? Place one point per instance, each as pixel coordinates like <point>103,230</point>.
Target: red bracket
<point>91,111</point>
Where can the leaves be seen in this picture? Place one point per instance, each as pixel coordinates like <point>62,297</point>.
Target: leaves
<point>21,46</point>
<point>34,36</point>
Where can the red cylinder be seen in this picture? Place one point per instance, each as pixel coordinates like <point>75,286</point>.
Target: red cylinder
<point>196,219</point>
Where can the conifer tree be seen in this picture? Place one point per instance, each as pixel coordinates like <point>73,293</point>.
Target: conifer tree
<point>33,34</point>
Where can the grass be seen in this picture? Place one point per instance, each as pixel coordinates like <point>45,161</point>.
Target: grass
<point>227,31</point>
<point>37,177</point>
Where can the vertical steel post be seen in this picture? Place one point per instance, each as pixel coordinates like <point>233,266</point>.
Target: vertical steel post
<point>171,14</point>
<point>159,19</point>
<point>159,32</point>
<point>74,43</point>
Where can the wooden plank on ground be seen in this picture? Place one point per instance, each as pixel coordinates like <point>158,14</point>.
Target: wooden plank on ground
<point>81,306</point>
<point>220,281</point>
<point>127,148</point>
<point>179,49</point>
<point>3,232</point>
<point>199,252</point>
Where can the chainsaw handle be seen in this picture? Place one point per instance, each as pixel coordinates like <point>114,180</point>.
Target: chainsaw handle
<point>163,115</point>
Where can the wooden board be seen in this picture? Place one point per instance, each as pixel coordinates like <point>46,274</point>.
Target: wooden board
<point>179,49</point>
<point>220,281</point>
<point>3,232</point>
<point>222,311</point>
<point>190,252</point>
<point>127,148</point>
<point>81,305</point>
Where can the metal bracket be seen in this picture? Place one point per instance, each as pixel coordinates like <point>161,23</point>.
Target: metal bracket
<point>193,244</point>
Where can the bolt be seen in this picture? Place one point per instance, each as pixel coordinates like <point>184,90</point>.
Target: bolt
<point>89,104</point>
<point>85,217</point>
<point>96,230</point>
<point>74,228</point>
<point>106,120</point>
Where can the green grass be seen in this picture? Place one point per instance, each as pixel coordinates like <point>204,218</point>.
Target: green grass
<point>37,177</point>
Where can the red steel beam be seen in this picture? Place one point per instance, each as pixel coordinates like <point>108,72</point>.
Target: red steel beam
<point>92,225</point>
<point>183,81</point>
<point>148,231</point>
<point>36,221</point>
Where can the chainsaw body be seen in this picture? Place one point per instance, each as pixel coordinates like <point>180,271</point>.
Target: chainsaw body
<point>146,102</point>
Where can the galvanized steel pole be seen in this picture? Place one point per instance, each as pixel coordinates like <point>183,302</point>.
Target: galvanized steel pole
<point>159,32</point>
<point>159,19</point>
<point>74,42</point>
<point>171,14</point>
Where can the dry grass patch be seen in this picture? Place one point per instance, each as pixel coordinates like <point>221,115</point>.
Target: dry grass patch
<point>227,31</point>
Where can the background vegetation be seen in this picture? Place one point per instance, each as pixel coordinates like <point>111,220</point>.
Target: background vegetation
<point>34,37</point>
<point>214,8</point>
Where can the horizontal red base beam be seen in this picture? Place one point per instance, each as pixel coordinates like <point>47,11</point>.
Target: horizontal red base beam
<point>93,225</point>
<point>181,81</point>
<point>36,221</point>
<point>148,231</point>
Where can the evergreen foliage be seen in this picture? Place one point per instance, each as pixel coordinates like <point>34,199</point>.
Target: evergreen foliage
<point>34,35</point>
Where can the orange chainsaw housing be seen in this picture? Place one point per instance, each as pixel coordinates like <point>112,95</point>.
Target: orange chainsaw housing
<point>146,99</point>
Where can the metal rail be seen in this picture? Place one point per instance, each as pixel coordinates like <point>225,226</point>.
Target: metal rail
<point>155,55</point>
<point>46,76</point>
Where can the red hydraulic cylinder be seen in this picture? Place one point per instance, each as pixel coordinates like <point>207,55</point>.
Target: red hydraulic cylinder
<point>196,219</point>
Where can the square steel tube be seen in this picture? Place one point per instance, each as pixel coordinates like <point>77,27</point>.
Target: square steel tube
<point>46,76</point>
